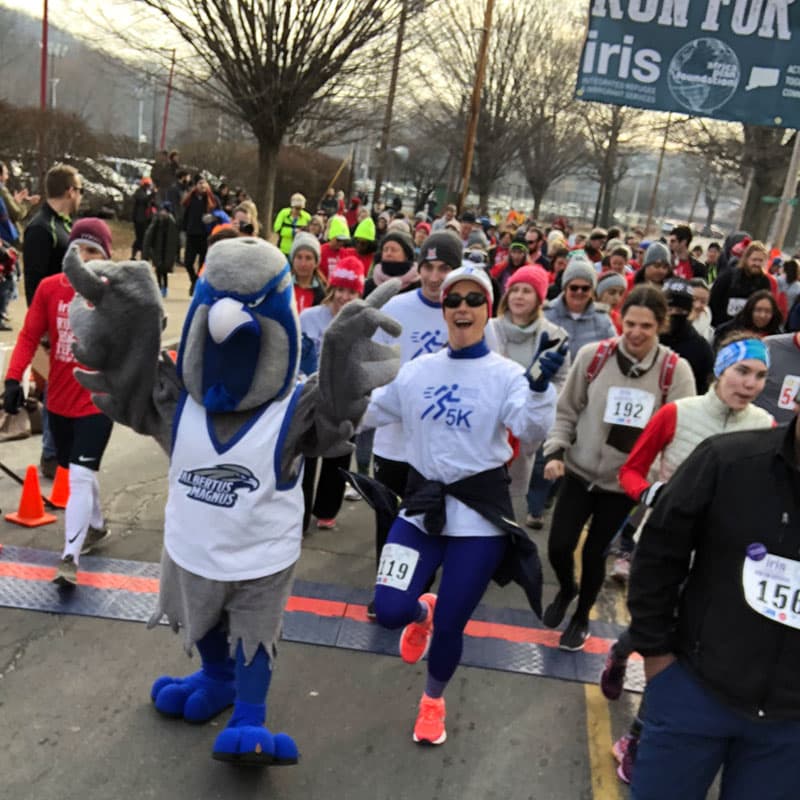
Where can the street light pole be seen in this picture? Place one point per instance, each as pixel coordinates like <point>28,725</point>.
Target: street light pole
<point>784,214</point>
<point>651,210</point>
<point>475,106</point>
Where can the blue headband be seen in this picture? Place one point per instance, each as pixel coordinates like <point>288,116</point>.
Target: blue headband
<point>735,352</point>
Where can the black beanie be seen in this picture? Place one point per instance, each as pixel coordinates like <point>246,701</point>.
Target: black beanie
<point>443,246</point>
<point>403,239</point>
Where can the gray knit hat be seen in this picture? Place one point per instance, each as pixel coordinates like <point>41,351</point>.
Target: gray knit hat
<point>579,268</point>
<point>657,252</point>
<point>305,241</point>
<point>610,280</point>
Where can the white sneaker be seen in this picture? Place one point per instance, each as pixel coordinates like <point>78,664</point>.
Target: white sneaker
<point>351,494</point>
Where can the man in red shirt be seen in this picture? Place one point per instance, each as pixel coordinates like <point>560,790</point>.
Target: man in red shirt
<point>685,265</point>
<point>80,430</point>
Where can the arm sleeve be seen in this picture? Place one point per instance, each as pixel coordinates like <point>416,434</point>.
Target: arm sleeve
<point>658,433</point>
<point>663,556</point>
<point>527,414</point>
<point>36,249</point>
<point>683,384</point>
<point>384,407</point>
<point>34,327</point>
<point>571,402</point>
<point>719,296</point>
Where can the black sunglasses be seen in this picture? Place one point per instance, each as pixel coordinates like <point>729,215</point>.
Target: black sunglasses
<point>474,300</point>
<point>583,288</point>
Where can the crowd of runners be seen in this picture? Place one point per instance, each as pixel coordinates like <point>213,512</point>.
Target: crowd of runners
<point>645,389</point>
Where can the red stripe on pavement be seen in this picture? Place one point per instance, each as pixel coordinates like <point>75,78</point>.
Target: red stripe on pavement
<point>308,605</point>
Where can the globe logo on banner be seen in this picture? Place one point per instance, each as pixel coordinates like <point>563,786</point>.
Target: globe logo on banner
<point>703,75</point>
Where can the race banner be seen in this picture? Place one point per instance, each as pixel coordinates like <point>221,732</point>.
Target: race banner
<point>736,60</point>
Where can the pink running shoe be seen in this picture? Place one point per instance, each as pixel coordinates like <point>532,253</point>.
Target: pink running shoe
<point>416,637</point>
<point>429,727</point>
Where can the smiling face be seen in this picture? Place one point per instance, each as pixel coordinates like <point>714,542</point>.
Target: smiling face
<point>639,331</point>
<point>466,323</point>
<point>341,297</point>
<point>578,295</point>
<point>742,383</point>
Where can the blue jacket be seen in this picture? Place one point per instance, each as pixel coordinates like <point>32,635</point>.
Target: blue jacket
<point>8,230</point>
<point>593,325</point>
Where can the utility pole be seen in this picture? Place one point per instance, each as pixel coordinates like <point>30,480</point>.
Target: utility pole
<point>784,214</point>
<point>386,130</point>
<point>651,210</point>
<point>40,134</point>
<point>475,107</point>
<point>166,103</point>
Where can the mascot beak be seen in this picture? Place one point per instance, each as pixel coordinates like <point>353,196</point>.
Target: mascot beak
<point>229,316</point>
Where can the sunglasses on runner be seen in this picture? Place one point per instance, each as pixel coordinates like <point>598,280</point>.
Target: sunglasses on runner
<point>474,300</point>
<point>579,288</point>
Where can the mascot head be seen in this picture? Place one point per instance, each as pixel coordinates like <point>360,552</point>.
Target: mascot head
<point>241,339</point>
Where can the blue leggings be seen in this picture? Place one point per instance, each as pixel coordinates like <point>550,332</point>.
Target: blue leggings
<point>468,563</point>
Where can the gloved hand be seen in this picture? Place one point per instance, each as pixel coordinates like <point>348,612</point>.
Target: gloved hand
<point>546,363</point>
<point>651,493</point>
<point>14,397</point>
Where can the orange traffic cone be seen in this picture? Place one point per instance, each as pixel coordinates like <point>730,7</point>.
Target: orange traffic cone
<point>31,506</point>
<point>59,494</point>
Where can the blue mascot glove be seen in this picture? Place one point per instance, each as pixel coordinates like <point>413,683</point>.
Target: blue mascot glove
<point>546,363</point>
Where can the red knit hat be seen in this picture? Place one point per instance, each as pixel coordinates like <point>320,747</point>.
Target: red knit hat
<point>347,274</point>
<point>534,276</point>
<point>93,232</point>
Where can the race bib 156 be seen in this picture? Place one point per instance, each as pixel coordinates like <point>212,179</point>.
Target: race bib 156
<point>772,585</point>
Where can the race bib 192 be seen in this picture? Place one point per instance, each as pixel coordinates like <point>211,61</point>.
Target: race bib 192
<point>631,407</point>
<point>772,585</point>
<point>397,566</point>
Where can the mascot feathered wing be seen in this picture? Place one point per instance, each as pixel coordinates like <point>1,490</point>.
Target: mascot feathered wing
<point>236,424</point>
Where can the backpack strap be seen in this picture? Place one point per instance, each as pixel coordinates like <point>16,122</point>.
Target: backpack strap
<point>667,374</point>
<point>604,351</point>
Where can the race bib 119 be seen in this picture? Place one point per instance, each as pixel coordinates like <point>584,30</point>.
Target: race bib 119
<point>772,585</point>
<point>631,407</point>
<point>397,566</point>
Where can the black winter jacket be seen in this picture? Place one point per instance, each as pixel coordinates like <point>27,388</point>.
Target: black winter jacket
<point>686,593</point>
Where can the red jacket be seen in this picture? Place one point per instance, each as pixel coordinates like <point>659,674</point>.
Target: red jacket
<point>48,314</point>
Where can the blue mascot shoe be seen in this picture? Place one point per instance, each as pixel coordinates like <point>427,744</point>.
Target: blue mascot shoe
<point>247,741</point>
<point>196,698</point>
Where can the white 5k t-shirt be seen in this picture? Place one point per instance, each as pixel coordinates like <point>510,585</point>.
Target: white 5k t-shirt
<point>227,518</point>
<point>424,332</point>
<point>456,414</point>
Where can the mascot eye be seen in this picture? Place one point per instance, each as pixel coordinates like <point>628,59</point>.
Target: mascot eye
<point>257,302</point>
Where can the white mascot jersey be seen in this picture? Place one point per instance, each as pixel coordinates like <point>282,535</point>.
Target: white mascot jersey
<point>227,518</point>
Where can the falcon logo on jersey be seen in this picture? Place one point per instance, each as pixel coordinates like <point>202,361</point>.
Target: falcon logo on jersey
<point>428,341</point>
<point>218,486</point>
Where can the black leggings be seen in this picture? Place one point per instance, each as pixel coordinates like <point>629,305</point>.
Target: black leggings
<point>574,506</point>
<point>196,246</point>
<point>393,475</point>
<point>327,501</point>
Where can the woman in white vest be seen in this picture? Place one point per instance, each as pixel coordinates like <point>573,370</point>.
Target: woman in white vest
<point>670,437</point>
<point>520,332</point>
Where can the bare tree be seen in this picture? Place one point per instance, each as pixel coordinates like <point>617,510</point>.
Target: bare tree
<point>269,61</point>
<point>610,129</point>
<point>550,138</point>
<point>457,22</point>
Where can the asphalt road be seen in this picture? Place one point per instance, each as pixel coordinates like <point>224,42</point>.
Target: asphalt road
<point>77,720</point>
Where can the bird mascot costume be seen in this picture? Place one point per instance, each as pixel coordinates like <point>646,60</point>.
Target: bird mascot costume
<point>236,423</point>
